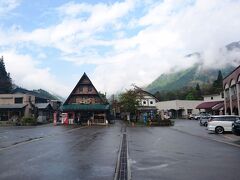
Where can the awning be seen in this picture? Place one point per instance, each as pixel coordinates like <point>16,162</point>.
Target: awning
<point>208,105</point>
<point>12,106</point>
<point>218,106</point>
<point>42,105</point>
<point>85,107</point>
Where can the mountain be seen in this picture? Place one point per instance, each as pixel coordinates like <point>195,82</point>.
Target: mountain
<point>189,77</point>
<point>38,93</point>
<point>48,95</point>
<point>197,74</point>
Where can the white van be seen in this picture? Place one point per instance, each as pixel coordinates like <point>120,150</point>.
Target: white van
<point>222,123</point>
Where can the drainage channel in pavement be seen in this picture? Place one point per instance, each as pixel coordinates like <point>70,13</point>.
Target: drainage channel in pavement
<point>122,170</point>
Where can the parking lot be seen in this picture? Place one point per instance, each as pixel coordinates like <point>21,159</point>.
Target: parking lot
<point>192,127</point>
<point>185,151</point>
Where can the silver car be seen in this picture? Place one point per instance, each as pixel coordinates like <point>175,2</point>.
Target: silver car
<point>204,120</point>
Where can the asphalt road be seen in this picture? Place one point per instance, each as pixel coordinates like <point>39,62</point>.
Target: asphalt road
<point>59,152</point>
<point>185,151</point>
<point>181,153</point>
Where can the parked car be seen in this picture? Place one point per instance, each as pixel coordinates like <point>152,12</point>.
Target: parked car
<point>204,120</point>
<point>222,123</point>
<point>202,114</point>
<point>236,127</point>
<point>191,116</point>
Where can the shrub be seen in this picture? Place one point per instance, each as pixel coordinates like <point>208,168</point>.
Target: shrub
<point>29,121</point>
<point>166,122</point>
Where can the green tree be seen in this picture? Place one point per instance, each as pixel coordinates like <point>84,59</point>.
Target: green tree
<point>128,101</point>
<point>5,80</point>
<point>190,96</point>
<point>198,92</point>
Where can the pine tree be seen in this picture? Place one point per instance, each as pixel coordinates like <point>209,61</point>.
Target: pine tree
<point>218,83</point>
<point>220,79</point>
<point>5,80</point>
<point>198,92</point>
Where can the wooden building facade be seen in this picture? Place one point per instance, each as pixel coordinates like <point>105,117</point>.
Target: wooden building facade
<point>85,104</point>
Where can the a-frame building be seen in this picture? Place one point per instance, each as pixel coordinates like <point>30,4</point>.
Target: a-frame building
<point>85,103</point>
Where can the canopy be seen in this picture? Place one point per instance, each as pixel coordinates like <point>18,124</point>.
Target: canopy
<point>218,106</point>
<point>85,107</point>
<point>208,105</point>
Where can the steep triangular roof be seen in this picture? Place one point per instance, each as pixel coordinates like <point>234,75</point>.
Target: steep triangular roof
<point>84,80</point>
<point>140,91</point>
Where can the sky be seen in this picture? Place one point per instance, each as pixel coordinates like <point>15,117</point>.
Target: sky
<point>49,44</point>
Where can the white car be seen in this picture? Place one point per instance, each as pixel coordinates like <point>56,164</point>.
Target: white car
<point>222,123</point>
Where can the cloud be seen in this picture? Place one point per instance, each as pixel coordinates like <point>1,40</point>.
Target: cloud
<point>8,5</point>
<point>26,73</point>
<point>74,32</point>
<point>172,31</point>
<point>131,41</point>
<point>215,57</point>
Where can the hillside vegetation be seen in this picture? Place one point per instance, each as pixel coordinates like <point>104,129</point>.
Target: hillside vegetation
<point>186,78</point>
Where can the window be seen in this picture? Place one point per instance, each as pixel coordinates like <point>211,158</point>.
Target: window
<point>89,89</point>
<point>211,98</point>
<point>151,102</point>
<point>230,119</point>
<point>18,100</point>
<point>189,111</point>
<point>144,102</point>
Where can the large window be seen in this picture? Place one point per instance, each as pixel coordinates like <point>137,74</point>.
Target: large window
<point>18,100</point>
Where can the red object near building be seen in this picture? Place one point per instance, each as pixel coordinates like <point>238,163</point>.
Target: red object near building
<point>66,121</point>
<point>54,118</point>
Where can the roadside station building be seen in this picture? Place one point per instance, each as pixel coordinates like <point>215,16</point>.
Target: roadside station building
<point>86,104</point>
<point>24,103</point>
<point>179,108</point>
<point>147,104</point>
<point>213,104</point>
<point>231,85</point>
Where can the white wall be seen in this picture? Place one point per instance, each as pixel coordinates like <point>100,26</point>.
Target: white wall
<point>213,97</point>
<point>179,104</point>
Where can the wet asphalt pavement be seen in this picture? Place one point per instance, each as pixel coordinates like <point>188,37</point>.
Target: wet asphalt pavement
<point>185,151</point>
<point>62,153</point>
